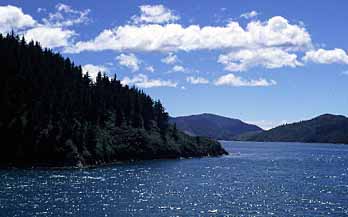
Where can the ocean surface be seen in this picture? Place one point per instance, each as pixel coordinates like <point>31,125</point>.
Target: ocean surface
<point>256,179</point>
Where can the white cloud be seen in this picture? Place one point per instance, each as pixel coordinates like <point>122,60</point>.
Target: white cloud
<point>178,68</point>
<point>13,18</point>
<point>143,81</point>
<point>150,68</point>
<point>170,59</point>
<point>50,33</point>
<point>130,61</point>
<point>270,44</point>
<point>93,70</point>
<point>53,32</point>
<point>249,15</point>
<point>50,37</point>
<point>326,56</point>
<point>174,37</point>
<point>65,15</point>
<point>233,80</point>
<point>154,14</point>
<point>64,8</point>
<point>270,58</point>
<point>197,80</point>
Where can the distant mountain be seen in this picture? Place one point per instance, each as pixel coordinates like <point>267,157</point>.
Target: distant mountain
<point>213,126</point>
<point>326,128</point>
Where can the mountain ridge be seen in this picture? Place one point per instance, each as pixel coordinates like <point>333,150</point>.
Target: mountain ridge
<point>213,126</point>
<point>325,128</point>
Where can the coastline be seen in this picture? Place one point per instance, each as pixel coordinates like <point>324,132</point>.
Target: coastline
<point>99,165</point>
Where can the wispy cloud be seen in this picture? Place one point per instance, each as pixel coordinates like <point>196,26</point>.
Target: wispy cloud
<point>178,68</point>
<point>170,59</point>
<point>197,80</point>
<point>155,14</point>
<point>65,15</point>
<point>129,60</point>
<point>143,81</point>
<point>150,68</point>
<point>249,15</point>
<point>233,80</point>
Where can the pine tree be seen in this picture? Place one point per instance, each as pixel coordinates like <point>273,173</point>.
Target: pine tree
<point>50,110</point>
<point>175,132</point>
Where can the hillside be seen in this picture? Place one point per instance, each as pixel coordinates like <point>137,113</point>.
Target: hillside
<point>53,114</point>
<point>326,128</point>
<point>213,126</point>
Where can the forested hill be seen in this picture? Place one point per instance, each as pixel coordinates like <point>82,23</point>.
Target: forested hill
<point>213,126</point>
<point>322,129</point>
<point>52,114</point>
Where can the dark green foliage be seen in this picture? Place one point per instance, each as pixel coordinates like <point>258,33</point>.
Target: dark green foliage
<point>323,129</point>
<point>213,126</point>
<point>53,114</point>
<point>175,132</point>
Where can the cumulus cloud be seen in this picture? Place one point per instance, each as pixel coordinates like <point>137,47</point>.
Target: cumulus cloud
<point>270,58</point>
<point>50,37</point>
<point>277,31</point>
<point>271,43</point>
<point>197,80</point>
<point>129,60</point>
<point>13,18</point>
<point>65,15</point>
<point>233,80</point>
<point>143,81</point>
<point>249,15</point>
<point>155,14</point>
<point>51,33</point>
<point>170,59</point>
<point>178,68</point>
<point>326,56</point>
<point>93,70</point>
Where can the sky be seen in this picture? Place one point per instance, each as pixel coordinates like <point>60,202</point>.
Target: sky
<point>264,62</point>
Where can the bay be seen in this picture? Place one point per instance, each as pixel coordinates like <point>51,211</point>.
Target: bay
<point>256,179</point>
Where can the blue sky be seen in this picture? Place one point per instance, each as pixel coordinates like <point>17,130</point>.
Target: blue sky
<point>265,62</point>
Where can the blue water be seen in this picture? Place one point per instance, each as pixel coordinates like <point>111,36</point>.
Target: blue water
<point>260,179</point>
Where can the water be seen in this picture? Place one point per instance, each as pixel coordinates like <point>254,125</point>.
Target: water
<point>262,179</point>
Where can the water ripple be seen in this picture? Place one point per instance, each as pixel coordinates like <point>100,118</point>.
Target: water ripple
<point>264,179</point>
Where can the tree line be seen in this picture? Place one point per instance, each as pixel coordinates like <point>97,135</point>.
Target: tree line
<point>47,101</point>
<point>52,113</point>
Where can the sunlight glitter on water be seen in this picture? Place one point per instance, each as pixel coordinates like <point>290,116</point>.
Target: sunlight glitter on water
<point>265,179</point>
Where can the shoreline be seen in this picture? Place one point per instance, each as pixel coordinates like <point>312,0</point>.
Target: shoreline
<point>99,165</point>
